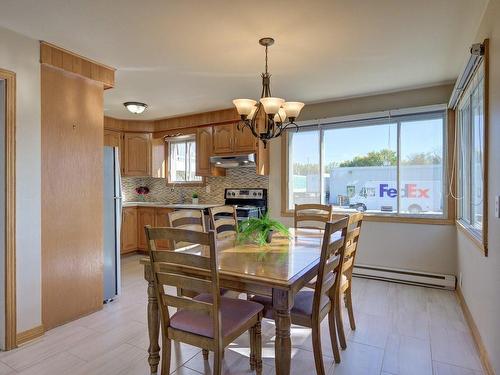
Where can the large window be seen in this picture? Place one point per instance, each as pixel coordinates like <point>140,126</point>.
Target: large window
<point>182,160</point>
<point>384,166</point>
<point>471,132</point>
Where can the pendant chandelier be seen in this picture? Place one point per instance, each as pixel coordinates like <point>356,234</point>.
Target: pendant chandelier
<point>280,114</point>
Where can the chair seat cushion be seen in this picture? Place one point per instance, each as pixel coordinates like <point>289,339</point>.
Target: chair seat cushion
<point>234,314</point>
<point>302,305</point>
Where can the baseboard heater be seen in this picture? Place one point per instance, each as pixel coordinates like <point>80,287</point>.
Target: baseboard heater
<point>431,280</point>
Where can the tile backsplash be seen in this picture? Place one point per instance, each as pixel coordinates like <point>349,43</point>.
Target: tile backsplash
<point>160,192</point>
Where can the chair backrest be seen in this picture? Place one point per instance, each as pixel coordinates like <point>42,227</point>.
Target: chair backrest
<point>354,230</point>
<point>186,219</point>
<point>312,216</point>
<point>183,270</point>
<point>224,221</point>
<point>330,265</point>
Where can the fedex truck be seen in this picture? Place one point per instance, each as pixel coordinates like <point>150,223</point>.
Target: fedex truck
<point>375,188</point>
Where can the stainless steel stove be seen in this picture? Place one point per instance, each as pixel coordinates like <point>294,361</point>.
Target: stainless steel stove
<point>249,202</point>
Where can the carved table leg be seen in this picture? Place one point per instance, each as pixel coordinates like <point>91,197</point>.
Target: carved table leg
<point>283,345</point>
<point>153,322</point>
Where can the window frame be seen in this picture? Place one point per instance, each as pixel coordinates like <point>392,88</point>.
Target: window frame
<point>180,139</point>
<point>373,119</point>
<point>478,238</point>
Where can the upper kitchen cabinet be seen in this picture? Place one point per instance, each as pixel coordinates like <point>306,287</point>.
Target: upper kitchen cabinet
<point>112,138</point>
<point>229,140</point>
<point>204,148</point>
<point>136,154</point>
<point>223,139</point>
<point>159,158</point>
<point>244,140</point>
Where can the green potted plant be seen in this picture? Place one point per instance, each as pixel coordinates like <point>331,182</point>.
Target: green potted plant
<point>260,230</point>
<point>195,198</point>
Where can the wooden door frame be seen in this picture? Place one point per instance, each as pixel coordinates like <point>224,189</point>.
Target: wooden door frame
<point>10,208</point>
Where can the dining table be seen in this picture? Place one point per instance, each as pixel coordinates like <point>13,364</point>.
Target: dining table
<point>277,270</point>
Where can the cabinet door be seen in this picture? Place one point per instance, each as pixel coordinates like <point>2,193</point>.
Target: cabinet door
<point>223,139</point>
<point>112,138</point>
<point>137,154</point>
<point>203,151</point>
<point>145,216</point>
<point>115,139</point>
<point>161,220</point>
<point>244,140</point>
<point>159,159</point>
<point>129,230</point>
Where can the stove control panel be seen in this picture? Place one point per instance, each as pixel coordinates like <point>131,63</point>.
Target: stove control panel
<point>244,193</point>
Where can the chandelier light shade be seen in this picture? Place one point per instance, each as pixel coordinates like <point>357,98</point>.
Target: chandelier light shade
<point>135,107</point>
<point>244,106</point>
<point>280,115</point>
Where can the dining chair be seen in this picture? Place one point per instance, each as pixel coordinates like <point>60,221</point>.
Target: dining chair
<point>312,306</point>
<point>224,221</point>
<point>354,230</point>
<point>186,219</point>
<point>207,321</point>
<point>312,216</point>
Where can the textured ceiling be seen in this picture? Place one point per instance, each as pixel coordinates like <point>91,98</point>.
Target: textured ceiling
<point>192,55</point>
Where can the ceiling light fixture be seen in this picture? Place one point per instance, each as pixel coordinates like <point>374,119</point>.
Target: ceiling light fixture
<point>135,107</point>
<point>277,110</point>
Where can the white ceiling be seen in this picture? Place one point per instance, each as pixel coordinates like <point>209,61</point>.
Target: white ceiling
<point>188,56</point>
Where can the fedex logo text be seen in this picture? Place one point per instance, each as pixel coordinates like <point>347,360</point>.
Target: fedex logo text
<point>409,191</point>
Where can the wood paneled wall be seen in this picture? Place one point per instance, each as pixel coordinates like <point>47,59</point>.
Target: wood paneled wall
<point>72,169</point>
<point>73,63</point>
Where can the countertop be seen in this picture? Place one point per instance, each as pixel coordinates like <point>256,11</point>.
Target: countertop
<point>179,206</point>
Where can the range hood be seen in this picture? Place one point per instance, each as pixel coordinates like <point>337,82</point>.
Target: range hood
<point>234,161</point>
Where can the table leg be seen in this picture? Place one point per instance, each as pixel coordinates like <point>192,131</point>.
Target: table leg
<point>153,322</point>
<point>283,343</point>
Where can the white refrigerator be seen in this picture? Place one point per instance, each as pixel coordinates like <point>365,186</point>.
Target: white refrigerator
<point>112,206</point>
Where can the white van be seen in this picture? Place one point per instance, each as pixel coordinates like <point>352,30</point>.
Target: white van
<point>416,196</point>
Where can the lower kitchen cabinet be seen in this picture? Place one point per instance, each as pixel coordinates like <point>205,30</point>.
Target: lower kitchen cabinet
<point>133,236</point>
<point>129,230</point>
<point>145,216</point>
<point>161,220</point>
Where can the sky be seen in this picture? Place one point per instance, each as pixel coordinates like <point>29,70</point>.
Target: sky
<point>346,143</point>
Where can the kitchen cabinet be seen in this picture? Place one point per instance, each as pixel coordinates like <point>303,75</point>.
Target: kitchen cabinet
<point>161,220</point>
<point>129,230</point>
<point>136,154</point>
<point>145,216</point>
<point>112,138</point>
<point>244,140</point>
<point>223,139</point>
<point>133,236</point>
<point>204,149</point>
<point>227,139</point>
<point>159,158</point>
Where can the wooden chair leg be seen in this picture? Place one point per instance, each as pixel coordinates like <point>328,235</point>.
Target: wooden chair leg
<point>340,324</point>
<point>205,354</point>
<point>258,349</point>
<point>318,352</point>
<point>166,347</point>
<point>252,348</point>
<point>333,336</point>
<point>350,311</point>
<point>218,355</point>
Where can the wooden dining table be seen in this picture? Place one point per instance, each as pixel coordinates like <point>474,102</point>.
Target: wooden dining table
<point>278,270</point>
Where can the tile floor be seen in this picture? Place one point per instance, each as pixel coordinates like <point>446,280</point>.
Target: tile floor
<point>401,330</point>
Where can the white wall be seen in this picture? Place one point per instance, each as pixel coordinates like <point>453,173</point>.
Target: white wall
<point>481,275</point>
<point>430,248</point>
<point>21,55</point>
